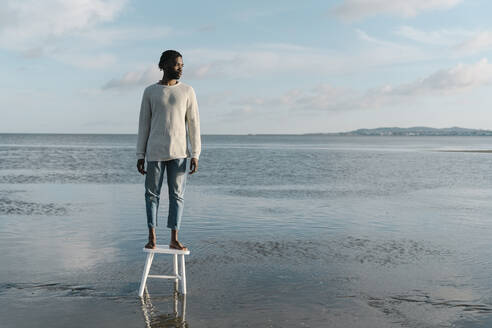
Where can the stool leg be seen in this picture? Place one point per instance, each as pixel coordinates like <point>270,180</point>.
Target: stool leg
<point>183,275</point>
<point>148,263</point>
<point>175,269</point>
<point>175,266</point>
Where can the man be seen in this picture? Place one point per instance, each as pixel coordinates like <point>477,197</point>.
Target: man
<point>168,108</point>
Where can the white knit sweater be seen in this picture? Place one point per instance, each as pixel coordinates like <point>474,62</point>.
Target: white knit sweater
<point>165,113</point>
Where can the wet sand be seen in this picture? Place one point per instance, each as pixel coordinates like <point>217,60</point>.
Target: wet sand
<point>81,266</point>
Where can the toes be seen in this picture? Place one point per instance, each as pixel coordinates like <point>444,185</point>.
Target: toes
<point>150,245</point>
<point>178,246</point>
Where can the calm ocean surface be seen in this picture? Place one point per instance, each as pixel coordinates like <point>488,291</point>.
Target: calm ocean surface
<point>284,231</point>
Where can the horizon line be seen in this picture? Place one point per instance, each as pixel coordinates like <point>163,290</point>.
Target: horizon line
<point>250,134</point>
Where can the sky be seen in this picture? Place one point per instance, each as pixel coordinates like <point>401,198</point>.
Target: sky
<point>81,66</point>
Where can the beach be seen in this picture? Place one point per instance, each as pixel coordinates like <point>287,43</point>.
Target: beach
<point>284,231</point>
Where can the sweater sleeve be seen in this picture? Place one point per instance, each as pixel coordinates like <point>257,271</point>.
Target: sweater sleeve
<point>143,126</point>
<point>193,121</point>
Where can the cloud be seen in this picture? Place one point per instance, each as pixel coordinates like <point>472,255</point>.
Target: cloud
<point>459,42</point>
<point>325,97</point>
<point>295,60</point>
<point>92,61</point>
<point>135,78</point>
<point>357,9</point>
<point>264,59</point>
<point>366,37</point>
<point>319,97</point>
<point>58,29</point>
<point>480,41</point>
<point>277,59</point>
<point>455,79</point>
<point>33,23</point>
<point>441,37</point>
<point>108,35</point>
<point>444,82</point>
<point>456,41</point>
<point>72,32</point>
<point>259,59</point>
<point>386,53</point>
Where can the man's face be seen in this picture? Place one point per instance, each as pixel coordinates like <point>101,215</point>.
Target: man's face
<point>174,68</point>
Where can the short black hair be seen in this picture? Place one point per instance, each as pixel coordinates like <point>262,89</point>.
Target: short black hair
<point>168,55</point>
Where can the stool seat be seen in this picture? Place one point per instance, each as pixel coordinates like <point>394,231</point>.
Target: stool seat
<point>178,275</point>
<point>164,249</point>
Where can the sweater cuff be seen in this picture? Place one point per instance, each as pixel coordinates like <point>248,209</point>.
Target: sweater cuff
<point>140,155</point>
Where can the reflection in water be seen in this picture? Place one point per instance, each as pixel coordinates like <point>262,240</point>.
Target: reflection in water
<point>154,319</point>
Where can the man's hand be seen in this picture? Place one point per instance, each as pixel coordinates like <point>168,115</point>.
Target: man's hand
<point>193,165</point>
<point>140,166</point>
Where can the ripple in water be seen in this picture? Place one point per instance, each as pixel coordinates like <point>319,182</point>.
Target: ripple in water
<point>298,251</point>
<point>9,206</point>
<point>47,289</point>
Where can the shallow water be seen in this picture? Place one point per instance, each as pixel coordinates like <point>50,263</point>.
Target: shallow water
<point>284,231</point>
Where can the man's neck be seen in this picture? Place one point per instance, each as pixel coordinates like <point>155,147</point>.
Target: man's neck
<point>165,81</point>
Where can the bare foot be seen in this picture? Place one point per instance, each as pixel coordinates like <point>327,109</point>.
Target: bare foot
<point>177,245</point>
<point>150,245</point>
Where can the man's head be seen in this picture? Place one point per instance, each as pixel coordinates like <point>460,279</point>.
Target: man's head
<point>171,63</point>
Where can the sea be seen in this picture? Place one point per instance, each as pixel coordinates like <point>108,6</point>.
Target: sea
<point>283,231</point>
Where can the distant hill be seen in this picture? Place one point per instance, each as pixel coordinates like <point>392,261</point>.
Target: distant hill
<point>414,131</point>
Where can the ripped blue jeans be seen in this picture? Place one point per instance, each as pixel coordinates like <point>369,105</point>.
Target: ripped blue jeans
<point>176,183</point>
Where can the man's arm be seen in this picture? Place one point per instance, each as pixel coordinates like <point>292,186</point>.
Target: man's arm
<point>143,131</point>
<point>193,122</point>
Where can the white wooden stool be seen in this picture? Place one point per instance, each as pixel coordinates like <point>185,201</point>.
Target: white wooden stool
<point>178,276</point>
